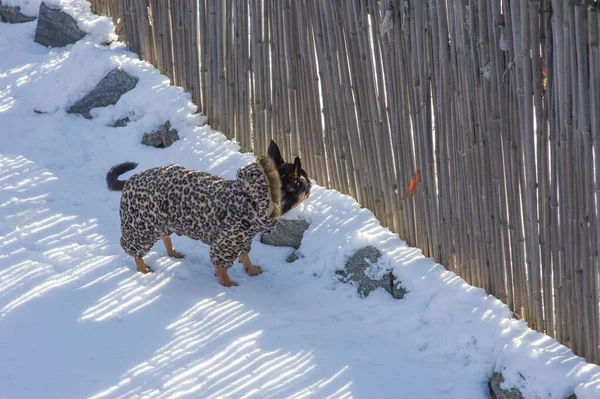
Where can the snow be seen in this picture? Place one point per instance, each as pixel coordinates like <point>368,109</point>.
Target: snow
<point>77,321</point>
<point>28,7</point>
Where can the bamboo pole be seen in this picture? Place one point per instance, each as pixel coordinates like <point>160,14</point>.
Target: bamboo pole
<point>540,64</point>
<point>352,27</point>
<point>141,39</point>
<point>419,103</point>
<point>203,18</point>
<point>500,124</point>
<point>442,113</point>
<point>594,62</point>
<point>257,100</point>
<point>382,141</point>
<point>213,64</point>
<point>348,129</point>
<point>244,79</point>
<point>567,193</point>
<point>165,41</point>
<point>276,78</point>
<point>177,12</point>
<point>389,101</point>
<point>542,169</point>
<point>269,91</point>
<point>339,153</point>
<point>488,149</point>
<point>556,129</point>
<point>313,131</point>
<point>192,47</point>
<point>230,115</point>
<point>221,29</point>
<point>467,253</point>
<point>406,156</point>
<point>585,163</point>
<point>393,72</point>
<point>513,165</point>
<point>523,132</point>
<point>371,125</point>
<point>329,147</point>
<point>288,72</point>
<point>302,135</point>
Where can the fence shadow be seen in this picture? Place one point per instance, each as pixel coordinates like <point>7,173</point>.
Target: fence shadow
<point>208,357</point>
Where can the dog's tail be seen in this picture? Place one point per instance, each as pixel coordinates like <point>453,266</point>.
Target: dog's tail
<point>111,177</point>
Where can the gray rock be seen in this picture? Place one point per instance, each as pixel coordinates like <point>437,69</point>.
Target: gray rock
<point>293,257</point>
<point>355,271</point>
<point>288,233</point>
<point>122,122</point>
<point>498,393</point>
<point>13,15</point>
<point>55,28</point>
<point>107,92</point>
<point>162,138</point>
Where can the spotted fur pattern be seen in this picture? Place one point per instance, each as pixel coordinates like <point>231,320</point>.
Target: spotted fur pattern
<point>224,214</point>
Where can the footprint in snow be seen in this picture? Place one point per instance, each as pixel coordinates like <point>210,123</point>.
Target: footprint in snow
<point>422,347</point>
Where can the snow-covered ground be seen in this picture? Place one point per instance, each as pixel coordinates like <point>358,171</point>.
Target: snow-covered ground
<point>77,321</point>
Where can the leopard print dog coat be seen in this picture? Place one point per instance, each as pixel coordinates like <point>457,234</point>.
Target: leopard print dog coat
<point>224,214</point>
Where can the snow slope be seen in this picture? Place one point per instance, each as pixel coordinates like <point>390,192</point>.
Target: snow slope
<point>77,321</point>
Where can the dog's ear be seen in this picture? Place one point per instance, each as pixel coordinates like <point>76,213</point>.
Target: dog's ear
<point>275,154</point>
<point>297,170</point>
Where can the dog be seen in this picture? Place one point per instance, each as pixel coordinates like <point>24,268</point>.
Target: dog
<point>224,214</point>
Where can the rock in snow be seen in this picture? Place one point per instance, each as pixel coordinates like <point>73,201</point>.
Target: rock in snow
<point>162,138</point>
<point>288,233</point>
<point>13,14</point>
<point>55,28</point>
<point>356,271</point>
<point>293,257</point>
<point>121,122</point>
<point>107,92</point>
<point>496,392</point>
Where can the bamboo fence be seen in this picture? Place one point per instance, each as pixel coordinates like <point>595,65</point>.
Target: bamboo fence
<point>496,103</point>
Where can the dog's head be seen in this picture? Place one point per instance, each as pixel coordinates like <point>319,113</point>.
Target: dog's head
<point>295,186</point>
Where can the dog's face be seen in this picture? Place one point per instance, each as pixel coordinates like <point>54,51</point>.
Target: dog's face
<point>295,186</point>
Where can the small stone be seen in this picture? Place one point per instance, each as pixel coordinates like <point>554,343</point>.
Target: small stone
<point>122,122</point>
<point>161,138</point>
<point>498,393</point>
<point>292,258</point>
<point>288,233</point>
<point>13,15</point>
<point>356,269</point>
<point>394,286</point>
<point>153,139</point>
<point>107,92</point>
<point>56,28</point>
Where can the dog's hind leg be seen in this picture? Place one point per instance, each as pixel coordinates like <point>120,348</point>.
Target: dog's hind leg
<point>248,266</point>
<point>170,249</point>
<point>223,277</point>
<point>141,266</point>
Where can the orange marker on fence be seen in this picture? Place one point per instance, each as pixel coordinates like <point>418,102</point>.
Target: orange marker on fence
<point>414,183</point>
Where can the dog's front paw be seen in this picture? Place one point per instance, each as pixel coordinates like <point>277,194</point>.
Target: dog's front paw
<point>228,283</point>
<point>144,269</point>
<point>253,270</point>
<point>176,255</point>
